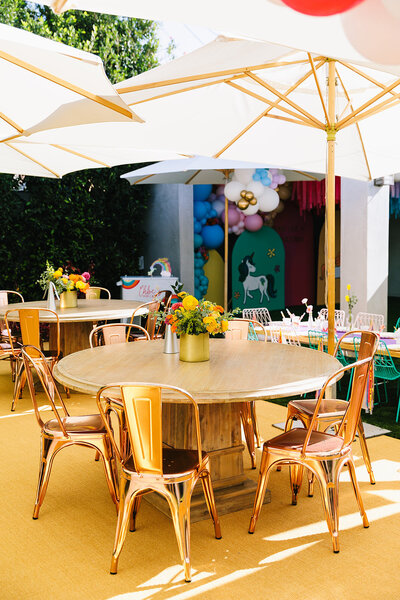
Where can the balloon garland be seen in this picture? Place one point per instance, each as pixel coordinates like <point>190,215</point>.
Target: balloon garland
<point>255,198</point>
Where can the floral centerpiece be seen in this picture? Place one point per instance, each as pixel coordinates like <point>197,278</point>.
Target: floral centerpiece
<point>194,320</point>
<point>351,302</point>
<point>309,310</point>
<point>64,283</point>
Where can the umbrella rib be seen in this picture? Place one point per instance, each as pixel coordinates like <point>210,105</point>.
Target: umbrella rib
<point>99,162</point>
<point>281,118</point>
<point>385,90</point>
<point>11,122</point>
<point>388,103</point>
<point>192,177</point>
<point>198,77</point>
<point>143,178</point>
<point>239,135</point>
<point>286,99</point>
<point>272,104</point>
<point>362,74</point>
<point>307,175</point>
<point>319,89</point>
<point>69,86</point>
<point>32,159</point>
<point>357,125</point>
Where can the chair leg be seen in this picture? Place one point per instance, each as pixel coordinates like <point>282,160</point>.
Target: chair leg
<point>48,449</point>
<point>365,452</point>
<point>357,493</point>
<point>103,447</point>
<point>17,385</point>
<point>296,479</point>
<point>135,509</point>
<point>386,394</point>
<point>350,384</point>
<point>210,501</point>
<point>265,466</point>
<point>311,479</point>
<point>327,472</point>
<point>178,497</point>
<point>398,410</point>
<point>126,499</point>
<point>245,414</point>
<point>255,424</point>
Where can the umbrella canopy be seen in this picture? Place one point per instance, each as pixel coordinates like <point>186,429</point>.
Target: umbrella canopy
<point>25,157</point>
<point>200,170</point>
<point>254,101</point>
<point>46,84</point>
<point>362,33</point>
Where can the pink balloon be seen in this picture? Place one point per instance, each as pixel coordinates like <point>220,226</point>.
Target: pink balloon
<point>253,222</point>
<point>233,216</point>
<point>273,185</point>
<point>220,190</point>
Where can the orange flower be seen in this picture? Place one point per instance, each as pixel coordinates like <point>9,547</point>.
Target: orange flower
<point>219,308</point>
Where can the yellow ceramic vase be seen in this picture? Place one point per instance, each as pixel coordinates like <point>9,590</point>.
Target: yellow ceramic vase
<point>194,348</point>
<point>69,299</point>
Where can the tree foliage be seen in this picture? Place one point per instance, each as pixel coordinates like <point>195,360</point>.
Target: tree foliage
<point>88,216</point>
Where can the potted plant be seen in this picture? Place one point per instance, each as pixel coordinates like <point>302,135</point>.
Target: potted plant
<point>194,320</point>
<point>66,285</point>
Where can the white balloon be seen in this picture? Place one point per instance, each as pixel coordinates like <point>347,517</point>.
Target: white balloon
<point>256,187</point>
<point>243,175</point>
<point>268,201</point>
<point>393,7</point>
<point>218,206</point>
<point>232,190</point>
<point>251,209</point>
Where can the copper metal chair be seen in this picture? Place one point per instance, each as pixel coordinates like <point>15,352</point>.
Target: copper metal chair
<point>115,333</point>
<point>94,293</point>
<point>152,326</point>
<point>246,329</point>
<point>150,467</point>
<point>165,297</point>
<point>29,320</point>
<point>64,430</point>
<point>330,415</point>
<point>5,347</point>
<point>322,453</point>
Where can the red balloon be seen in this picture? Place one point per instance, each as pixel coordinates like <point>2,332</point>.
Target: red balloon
<point>321,8</point>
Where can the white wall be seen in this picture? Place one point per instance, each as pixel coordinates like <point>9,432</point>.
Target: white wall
<point>365,245</point>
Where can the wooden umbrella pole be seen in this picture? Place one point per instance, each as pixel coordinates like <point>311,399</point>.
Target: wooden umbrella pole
<point>226,257</point>
<point>330,205</point>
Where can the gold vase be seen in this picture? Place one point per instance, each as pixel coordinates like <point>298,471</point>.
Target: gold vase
<point>194,348</point>
<point>69,299</point>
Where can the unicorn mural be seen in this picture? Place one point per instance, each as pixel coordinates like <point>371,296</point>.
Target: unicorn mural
<point>263,283</point>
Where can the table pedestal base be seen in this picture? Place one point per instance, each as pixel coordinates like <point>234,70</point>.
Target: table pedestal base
<point>221,437</point>
<point>73,336</point>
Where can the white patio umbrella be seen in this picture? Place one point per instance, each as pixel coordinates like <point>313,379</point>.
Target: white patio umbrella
<point>368,32</point>
<point>46,84</point>
<point>255,101</point>
<point>201,170</point>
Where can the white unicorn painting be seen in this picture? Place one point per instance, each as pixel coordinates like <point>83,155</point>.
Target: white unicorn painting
<point>252,282</point>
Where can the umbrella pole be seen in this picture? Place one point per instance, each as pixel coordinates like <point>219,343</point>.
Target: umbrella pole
<point>226,256</point>
<point>330,206</point>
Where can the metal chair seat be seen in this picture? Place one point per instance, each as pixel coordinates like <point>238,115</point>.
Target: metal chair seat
<point>329,408</point>
<point>175,462</point>
<point>320,443</point>
<point>76,425</point>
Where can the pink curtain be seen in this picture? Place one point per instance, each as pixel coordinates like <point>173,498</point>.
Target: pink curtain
<point>311,194</point>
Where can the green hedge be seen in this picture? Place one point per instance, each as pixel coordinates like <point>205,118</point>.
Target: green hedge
<point>90,216</point>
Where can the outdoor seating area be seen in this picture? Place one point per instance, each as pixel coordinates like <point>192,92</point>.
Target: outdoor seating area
<point>200,299</point>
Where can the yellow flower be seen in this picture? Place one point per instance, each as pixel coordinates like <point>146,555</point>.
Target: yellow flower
<point>189,302</point>
<point>348,286</point>
<point>64,280</point>
<point>347,298</point>
<point>224,325</point>
<point>79,285</point>
<point>57,274</point>
<point>211,324</point>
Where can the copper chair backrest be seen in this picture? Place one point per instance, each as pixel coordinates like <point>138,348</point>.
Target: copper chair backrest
<point>94,292</point>
<point>142,404</point>
<point>163,296</point>
<point>151,318</point>
<point>239,329</point>
<point>348,426</point>
<point>4,296</point>
<point>115,333</point>
<point>29,319</point>
<point>34,359</point>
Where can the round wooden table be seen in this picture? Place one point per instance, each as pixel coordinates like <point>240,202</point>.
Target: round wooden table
<point>237,371</point>
<point>77,323</point>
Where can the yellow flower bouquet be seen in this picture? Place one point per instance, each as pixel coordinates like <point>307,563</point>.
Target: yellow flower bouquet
<point>63,282</point>
<point>194,316</point>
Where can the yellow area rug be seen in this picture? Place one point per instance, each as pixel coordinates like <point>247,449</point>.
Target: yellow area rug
<point>65,555</point>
